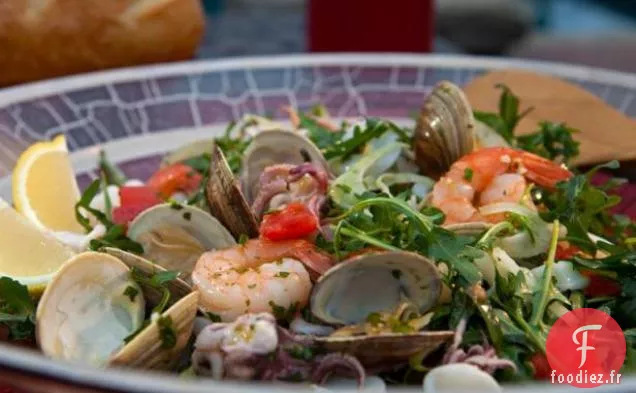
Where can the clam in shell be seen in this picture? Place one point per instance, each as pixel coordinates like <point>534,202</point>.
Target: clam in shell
<point>444,131</point>
<point>387,349</point>
<point>226,200</point>
<point>92,305</point>
<point>351,291</point>
<point>377,282</point>
<point>276,147</point>
<point>174,236</point>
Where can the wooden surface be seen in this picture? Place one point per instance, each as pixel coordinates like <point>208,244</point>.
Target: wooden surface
<point>606,134</point>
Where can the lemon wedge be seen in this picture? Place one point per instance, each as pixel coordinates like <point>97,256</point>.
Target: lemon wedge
<point>28,254</point>
<point>44,187</point>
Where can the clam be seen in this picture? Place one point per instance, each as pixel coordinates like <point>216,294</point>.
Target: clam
<point>459,377</point>
<point>444,131</point>
<point>276,147</point>
<point>375,282</point>
<point>174,236</point>
<point>353,291</point>
<point>92,305</point>
<point>226,200</point>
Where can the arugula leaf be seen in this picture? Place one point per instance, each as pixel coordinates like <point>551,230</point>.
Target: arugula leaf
<point>505,122</point>
<point>233,147</point>
<point>85,201</point>
<point>552,141</point>
<point>391,224</point>
<point>17,310</point>
<point>361,136</point>
<point>581,207</point>
<point>319,135</point>
<point>448,247</point>
<point>112,173</point>
<point>200,163</point>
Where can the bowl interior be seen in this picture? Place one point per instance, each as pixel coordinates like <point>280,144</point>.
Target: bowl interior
<point>138,114</point>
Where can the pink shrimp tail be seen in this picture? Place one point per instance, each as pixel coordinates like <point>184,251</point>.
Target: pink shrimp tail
<point>316,261</point>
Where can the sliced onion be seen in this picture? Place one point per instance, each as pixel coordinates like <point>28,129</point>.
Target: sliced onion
<point>522,244</point>
<point>421,184</point>
<point>567,278</point>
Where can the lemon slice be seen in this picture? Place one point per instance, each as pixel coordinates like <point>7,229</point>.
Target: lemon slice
<point>28,254</point>
<point>44,187</point>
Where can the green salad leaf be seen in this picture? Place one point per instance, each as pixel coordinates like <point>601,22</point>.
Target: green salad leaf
<point>17,309</point>
<point>551,140</point>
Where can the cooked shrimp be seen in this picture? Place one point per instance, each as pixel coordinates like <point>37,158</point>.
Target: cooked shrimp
<point>491,175</point>
<point>257,276</point>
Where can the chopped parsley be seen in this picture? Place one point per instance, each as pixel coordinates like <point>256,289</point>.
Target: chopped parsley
<point>282,274</point>
<point>158,282</point>
<point>243,239</point>
<point>284,314</point>
<point>131,292</point>
<point>115,233</point>
<point>187,216</point>
<point>167,332</point>
<point>176,205</point>
<point>300,352</point>
<point>468,174</point>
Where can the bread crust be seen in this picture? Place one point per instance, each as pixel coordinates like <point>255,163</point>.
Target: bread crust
<point>49,38</point>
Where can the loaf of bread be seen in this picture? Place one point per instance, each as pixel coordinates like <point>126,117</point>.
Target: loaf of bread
<point>42,39</point>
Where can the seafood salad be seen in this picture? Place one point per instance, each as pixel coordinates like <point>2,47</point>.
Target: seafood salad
<point>311,249</point>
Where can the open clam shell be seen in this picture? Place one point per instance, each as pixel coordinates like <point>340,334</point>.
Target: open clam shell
<point>92,305</point>
<point>276,147</point>
<point>83,315</point>
<point>175,236</point>
<point>226,200</point>
<point>386,349</point>
<point>377,282</point>
<point>444,131</point>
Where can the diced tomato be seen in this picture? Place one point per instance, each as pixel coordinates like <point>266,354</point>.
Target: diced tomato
<point>138,196</point>
<point>542,369</point>
<point>296,221</point>
<point>566,251</point>
<point>175,178</point>
<point>134,200</point>
<point>600,285</point>
<point>125,214</point>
